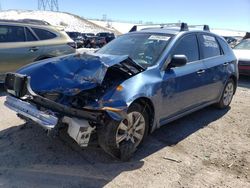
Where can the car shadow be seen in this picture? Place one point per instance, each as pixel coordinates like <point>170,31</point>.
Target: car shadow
<point>28,155</point>
<point>244,81</point>
<point>176,131</point>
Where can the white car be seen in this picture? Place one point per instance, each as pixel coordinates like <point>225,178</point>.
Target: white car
<point>242,52</point>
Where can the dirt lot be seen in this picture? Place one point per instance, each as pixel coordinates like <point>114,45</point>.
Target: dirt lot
<point>209,148</point>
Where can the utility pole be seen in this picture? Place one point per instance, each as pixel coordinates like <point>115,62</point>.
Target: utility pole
<point>51,5</point>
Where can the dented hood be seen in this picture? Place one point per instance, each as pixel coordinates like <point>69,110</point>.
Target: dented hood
<point>73,73</point>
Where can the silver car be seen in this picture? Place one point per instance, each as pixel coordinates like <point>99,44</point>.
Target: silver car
<point>26,41</point>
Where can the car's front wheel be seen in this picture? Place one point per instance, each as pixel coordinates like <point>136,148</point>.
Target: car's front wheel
<point>121,139</point>
<point>227,95</point>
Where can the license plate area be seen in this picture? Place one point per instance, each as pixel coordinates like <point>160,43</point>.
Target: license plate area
<point>16,84</point>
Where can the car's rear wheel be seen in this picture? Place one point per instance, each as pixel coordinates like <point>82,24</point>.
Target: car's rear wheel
<point>227,95</point>
<point>121,139</point>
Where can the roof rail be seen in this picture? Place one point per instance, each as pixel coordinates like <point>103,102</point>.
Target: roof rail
<point>27,21</point>
<point>205,27</point>
<point>183,26</point>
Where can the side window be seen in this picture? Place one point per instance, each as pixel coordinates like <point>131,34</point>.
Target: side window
<point>209,46</point>
<point>44,34</point>
<point>11,34</point>
<point>224,45</point>
<point>29,35</point>
<point>188,46</point>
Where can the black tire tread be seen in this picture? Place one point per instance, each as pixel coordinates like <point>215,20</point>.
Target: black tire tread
<point>220,104</point>
<point>107,136</point>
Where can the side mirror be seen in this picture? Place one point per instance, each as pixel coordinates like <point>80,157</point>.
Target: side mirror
<point>178,61</point>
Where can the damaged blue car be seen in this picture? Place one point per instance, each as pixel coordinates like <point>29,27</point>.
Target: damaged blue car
<point>133,85</point>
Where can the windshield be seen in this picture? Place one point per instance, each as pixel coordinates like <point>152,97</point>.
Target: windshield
<point>144,49</point>
<point>102,34</point>
<point>243,45</point>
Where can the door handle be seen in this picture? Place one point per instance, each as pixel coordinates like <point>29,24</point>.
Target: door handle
<point>201,71</point>
<point>225,64</point>
<point>33,49</point>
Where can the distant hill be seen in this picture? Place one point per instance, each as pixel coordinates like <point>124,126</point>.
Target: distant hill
<point>121,27</point>
<point>69,21</point>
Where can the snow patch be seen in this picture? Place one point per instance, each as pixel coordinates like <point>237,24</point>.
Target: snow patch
<point>68,21</point>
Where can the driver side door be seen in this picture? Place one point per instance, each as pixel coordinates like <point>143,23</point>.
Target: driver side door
<point>182,87</point>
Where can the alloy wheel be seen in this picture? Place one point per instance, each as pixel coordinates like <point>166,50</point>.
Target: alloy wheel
<point>228,93</point>
<point>132,128</point>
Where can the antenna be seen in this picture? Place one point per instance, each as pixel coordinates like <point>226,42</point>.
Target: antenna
<point>51,5</point>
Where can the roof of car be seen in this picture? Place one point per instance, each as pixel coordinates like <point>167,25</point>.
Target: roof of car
<point>28,22</point>
<point>170,28</point>
<point>161,31</point>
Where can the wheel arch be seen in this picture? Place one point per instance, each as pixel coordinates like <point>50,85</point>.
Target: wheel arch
<point>149,107</point>
<point>235,80</point>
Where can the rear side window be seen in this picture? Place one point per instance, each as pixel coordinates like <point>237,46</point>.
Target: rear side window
<point>44,34</point>
<point>209,46</point>
<point>11,34</point>
<point>224,45</point>
<point>29,35</point>
<point>188,46</point>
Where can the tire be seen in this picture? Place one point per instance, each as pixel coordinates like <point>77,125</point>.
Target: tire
<point>227,95</point>
<point>109,135</point>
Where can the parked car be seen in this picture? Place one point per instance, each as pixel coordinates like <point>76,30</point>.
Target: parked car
<point>231,40</point>
<point>90,41</point>
<point>100,41</point>
<point>78,38</point>
<point>242,52</point>
<point>26,41</point>
<point>136,83</point>
<point>85,35</point>
<point>107,35</point>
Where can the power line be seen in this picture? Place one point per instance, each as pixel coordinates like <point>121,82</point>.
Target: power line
<point>51,5</point>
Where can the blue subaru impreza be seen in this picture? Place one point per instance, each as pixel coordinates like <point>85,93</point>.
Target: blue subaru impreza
<point>133,85</point>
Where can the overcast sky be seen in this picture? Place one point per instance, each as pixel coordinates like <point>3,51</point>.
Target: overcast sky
<point>230,14</point>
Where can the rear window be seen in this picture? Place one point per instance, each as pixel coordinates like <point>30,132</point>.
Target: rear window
<point>209,46</point>
<point>29,35</point>
<point>11,34</point>
<point>102,34</point>
<point>44,34</point>
<point>224,45</point>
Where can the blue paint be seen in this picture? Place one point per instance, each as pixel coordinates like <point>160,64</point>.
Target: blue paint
<point>70,74</point>
<point>172,91</point>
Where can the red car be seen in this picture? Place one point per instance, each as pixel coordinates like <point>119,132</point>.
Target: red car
<point>242,52</point>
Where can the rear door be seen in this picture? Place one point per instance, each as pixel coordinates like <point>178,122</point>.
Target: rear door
<point>50,43</point>
<point>216,66</point>
<point>182,88</point>
<point>16,47</point>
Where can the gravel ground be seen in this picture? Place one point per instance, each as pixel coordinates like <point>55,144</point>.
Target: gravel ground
<point>209,148</point>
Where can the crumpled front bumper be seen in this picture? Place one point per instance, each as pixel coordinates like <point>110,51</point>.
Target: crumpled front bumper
<point>26,102</point>
<point>29,111</point>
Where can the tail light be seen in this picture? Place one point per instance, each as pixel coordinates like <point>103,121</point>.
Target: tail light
<point>72,44</point>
